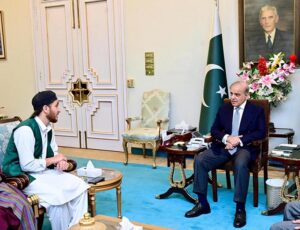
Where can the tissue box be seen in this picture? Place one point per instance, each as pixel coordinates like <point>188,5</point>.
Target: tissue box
<point>83,171</point>
<point>125,224</point>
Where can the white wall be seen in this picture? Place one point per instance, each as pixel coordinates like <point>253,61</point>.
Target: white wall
<point>17,71</point>
<point>174,30</point>
<point>177,31</point>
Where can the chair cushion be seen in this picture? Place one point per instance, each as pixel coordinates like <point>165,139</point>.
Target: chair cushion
<point>5,133</point>
<point>148,134</point>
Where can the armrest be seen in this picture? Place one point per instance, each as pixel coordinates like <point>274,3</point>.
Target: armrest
<point>159,122</point>
<point>19,182</point>
<point>258,142</point>
<point>261,158</point>
<point>130,119</point>
<point>208,139</point>
<point>72,165</point>
<point>163,120</point>
<point>22,180</point>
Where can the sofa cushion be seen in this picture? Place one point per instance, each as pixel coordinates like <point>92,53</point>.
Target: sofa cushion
<point>5,133</point>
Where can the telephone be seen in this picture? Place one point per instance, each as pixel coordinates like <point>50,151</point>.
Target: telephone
<point>177,137</point>
<point>196,140</point>
<point>196,134</point>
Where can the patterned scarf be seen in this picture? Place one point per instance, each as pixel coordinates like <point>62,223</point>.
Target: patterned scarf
<point>11,197</point>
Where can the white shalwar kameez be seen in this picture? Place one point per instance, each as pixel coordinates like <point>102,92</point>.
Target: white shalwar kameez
<point>62,194</point>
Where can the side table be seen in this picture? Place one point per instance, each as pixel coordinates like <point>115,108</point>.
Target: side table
<point>291,166</point>
<point>283,133</point>
<point>178,155</point>
<point>113,179</point>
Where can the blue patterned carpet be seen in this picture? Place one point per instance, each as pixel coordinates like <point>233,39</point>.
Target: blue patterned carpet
<point>141,184</point>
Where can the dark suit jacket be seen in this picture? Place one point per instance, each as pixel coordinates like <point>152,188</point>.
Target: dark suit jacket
<point>283,42</point>
<point>252,127</point>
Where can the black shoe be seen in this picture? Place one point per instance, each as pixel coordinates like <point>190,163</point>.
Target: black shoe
<point>239,219</point>
<point>197,210</point>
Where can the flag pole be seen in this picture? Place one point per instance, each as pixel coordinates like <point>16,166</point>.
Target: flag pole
<point>217,3</point>
<point>215,83</point>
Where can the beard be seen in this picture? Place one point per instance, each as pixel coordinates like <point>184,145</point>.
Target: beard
<point>52,117</point>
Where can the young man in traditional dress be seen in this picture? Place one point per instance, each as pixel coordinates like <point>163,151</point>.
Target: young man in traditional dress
<point>32,150</point>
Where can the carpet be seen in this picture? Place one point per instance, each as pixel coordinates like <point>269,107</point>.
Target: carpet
<point>141,184</point>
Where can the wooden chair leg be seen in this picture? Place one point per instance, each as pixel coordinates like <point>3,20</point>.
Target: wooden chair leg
<point>154,150</point>
<point>214,184</point>
<point>255,189</point>
<point>228,181</point>
<point>144,150</point>
<point>125,148</point>
<point>40,221</point>
<point>265,176</point>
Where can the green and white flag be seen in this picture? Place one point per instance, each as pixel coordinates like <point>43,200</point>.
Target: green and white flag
<point>215,85</point>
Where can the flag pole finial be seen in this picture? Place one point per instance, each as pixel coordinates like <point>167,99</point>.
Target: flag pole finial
<point>217,3</point>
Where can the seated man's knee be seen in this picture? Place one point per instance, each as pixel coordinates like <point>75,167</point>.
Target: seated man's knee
<point>242,160</point>
<point>200,156</point>
<point>288,205</point>
<point>239,165</point>
<point>200,159</point>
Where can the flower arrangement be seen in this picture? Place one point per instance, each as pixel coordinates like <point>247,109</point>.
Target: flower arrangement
<point>269,79</point>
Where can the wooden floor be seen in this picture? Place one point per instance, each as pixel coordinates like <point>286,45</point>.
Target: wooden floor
<point>139,159</point>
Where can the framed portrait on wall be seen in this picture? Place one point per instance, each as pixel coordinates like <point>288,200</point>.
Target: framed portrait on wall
<point>268,27</point>
<point>2,40</point>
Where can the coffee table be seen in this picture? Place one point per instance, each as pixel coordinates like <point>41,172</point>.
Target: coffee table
<point>113,180</point>
<point>112,223</point>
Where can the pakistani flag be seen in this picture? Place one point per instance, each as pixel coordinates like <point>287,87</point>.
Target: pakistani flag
<point>215,85</point>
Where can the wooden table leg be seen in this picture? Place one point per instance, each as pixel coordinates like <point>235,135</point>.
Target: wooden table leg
<point>92,204</point>
<point>273,211</point>
<point>178,186</point>
<point>119,205</point>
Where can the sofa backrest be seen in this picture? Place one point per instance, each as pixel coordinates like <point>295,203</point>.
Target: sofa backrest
<point>6,127</point>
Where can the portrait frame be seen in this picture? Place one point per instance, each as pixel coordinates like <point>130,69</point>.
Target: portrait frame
<point>2,37</point>
<point>248,13</point>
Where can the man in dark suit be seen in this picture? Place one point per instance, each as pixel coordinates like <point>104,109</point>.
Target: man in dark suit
<point>235,127</point>
<point>270,40</point>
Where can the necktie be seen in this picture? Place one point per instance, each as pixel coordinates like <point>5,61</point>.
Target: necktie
<point>269,42</point>
<point>235,126</point>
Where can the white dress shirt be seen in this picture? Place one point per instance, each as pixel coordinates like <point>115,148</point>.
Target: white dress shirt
<point>272,34</point>
<point>240,111</point>
<point>25,141</point>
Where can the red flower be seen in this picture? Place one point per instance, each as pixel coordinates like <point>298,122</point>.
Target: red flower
<point>262,66</point>
<point>293,58</point>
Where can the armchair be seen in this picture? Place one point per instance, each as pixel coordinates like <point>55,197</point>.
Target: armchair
<point>6,127</point>
<point>256,165</point>
<point>154,118</point>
